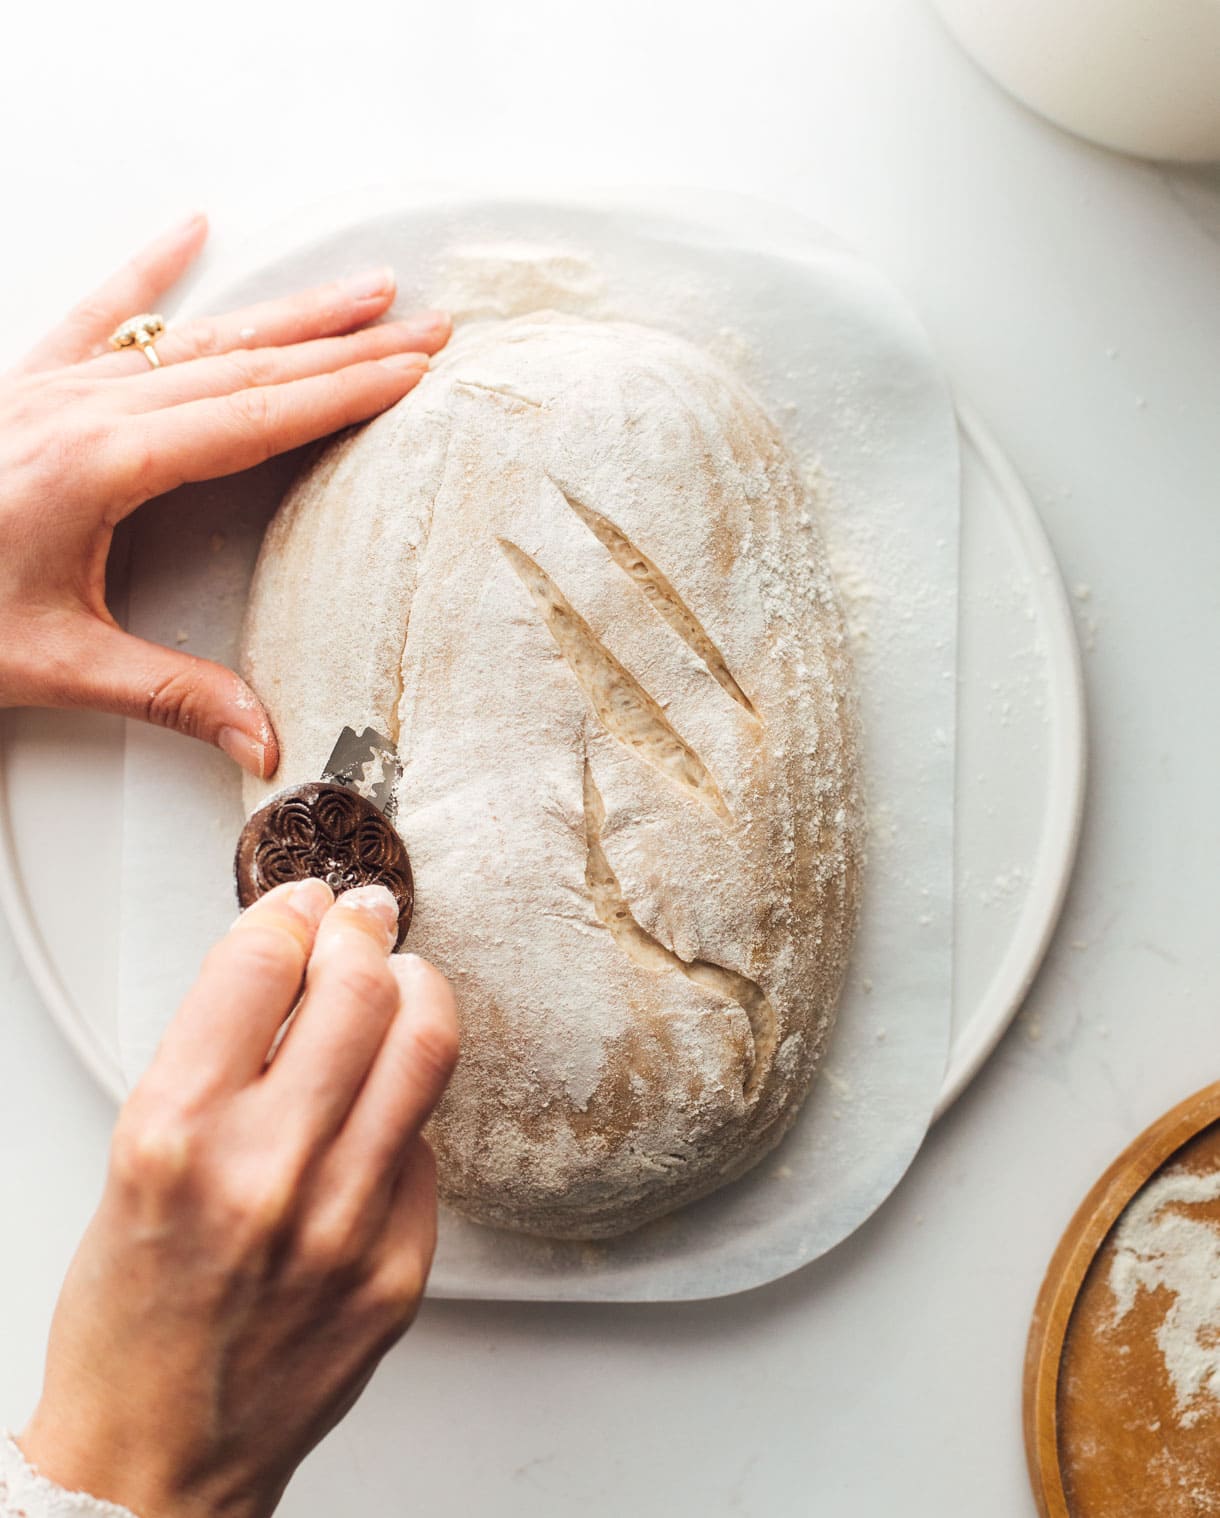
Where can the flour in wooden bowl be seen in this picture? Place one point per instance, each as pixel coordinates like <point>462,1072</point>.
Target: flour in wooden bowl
<point>1161,1247</point>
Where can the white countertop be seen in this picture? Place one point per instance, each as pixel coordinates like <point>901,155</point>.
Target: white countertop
<point>1075,297</point>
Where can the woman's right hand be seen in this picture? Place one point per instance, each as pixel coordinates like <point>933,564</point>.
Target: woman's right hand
<point>266,1228</point>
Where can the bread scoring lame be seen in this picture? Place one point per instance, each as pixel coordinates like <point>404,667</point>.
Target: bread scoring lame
<point>574,576</point>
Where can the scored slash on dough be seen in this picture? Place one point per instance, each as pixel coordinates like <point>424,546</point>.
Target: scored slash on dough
<point>623,706</point>
<point>649,953</point>
<point>659,592</point>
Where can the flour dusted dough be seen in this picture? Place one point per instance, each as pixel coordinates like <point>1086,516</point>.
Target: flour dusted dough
<point>574,576</point>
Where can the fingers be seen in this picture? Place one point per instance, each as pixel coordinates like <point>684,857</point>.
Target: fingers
<point>323,311</point>
<point>350,998</point>
<point>205,439</point>
<point>413,1205</point>
<point>224,1030</point>
<point>408,1240</point>
<point>378,1150</point>
<point>137,287</point>
<point>243,369</point>
<point>389,1243</point>
<point>408,1077</point>
<point>116,672</point>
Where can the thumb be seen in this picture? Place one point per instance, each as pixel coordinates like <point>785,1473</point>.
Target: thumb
<point>132,678</point>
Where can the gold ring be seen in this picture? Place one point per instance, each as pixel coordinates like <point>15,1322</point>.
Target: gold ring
<point>140,332</point>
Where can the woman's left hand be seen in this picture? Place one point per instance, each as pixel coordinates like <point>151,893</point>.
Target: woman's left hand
<point>88,434</point>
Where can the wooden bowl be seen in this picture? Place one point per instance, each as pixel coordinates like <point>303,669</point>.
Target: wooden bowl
<point>1107,1433</point>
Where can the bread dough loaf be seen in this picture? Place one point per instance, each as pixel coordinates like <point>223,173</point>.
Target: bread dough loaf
<point>574,576</point>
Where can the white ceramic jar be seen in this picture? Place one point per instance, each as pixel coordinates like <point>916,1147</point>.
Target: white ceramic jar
<point>1142,76</point>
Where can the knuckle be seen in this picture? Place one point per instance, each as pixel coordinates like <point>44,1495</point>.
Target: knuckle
<point>173,702</point>
<point>334,1247</point>
<point>268,948</point>
<point>91,314</point>
<point>395,1290</point>
<point>255,414</point>
<point>435,1047</point>
<point>371,986</point>
<point>249,369</point>
<point>258,1208</point>
<point>154,1151</point>
<point>201,337</point>
<point>254,409</point>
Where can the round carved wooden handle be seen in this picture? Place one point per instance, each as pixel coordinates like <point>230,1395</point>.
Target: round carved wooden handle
<point>326,831</point>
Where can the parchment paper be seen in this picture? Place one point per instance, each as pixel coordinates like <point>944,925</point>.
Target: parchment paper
<point>845,369</point>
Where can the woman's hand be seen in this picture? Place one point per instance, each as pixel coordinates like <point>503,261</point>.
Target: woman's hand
<point>266,1230</point>
<point>87,435</point>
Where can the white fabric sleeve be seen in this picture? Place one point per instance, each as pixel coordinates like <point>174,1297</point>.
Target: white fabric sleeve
<point>24,1493</point>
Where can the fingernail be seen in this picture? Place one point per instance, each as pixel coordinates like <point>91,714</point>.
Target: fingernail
<point>369,285</point>
<point>429,321</point>
<point>406,362</point>
<point>243,750</point>
<point>408,968</point>
<point>310,899</point>
<point>379,903</point>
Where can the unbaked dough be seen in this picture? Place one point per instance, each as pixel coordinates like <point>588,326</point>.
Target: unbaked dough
<point>575,577</point>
